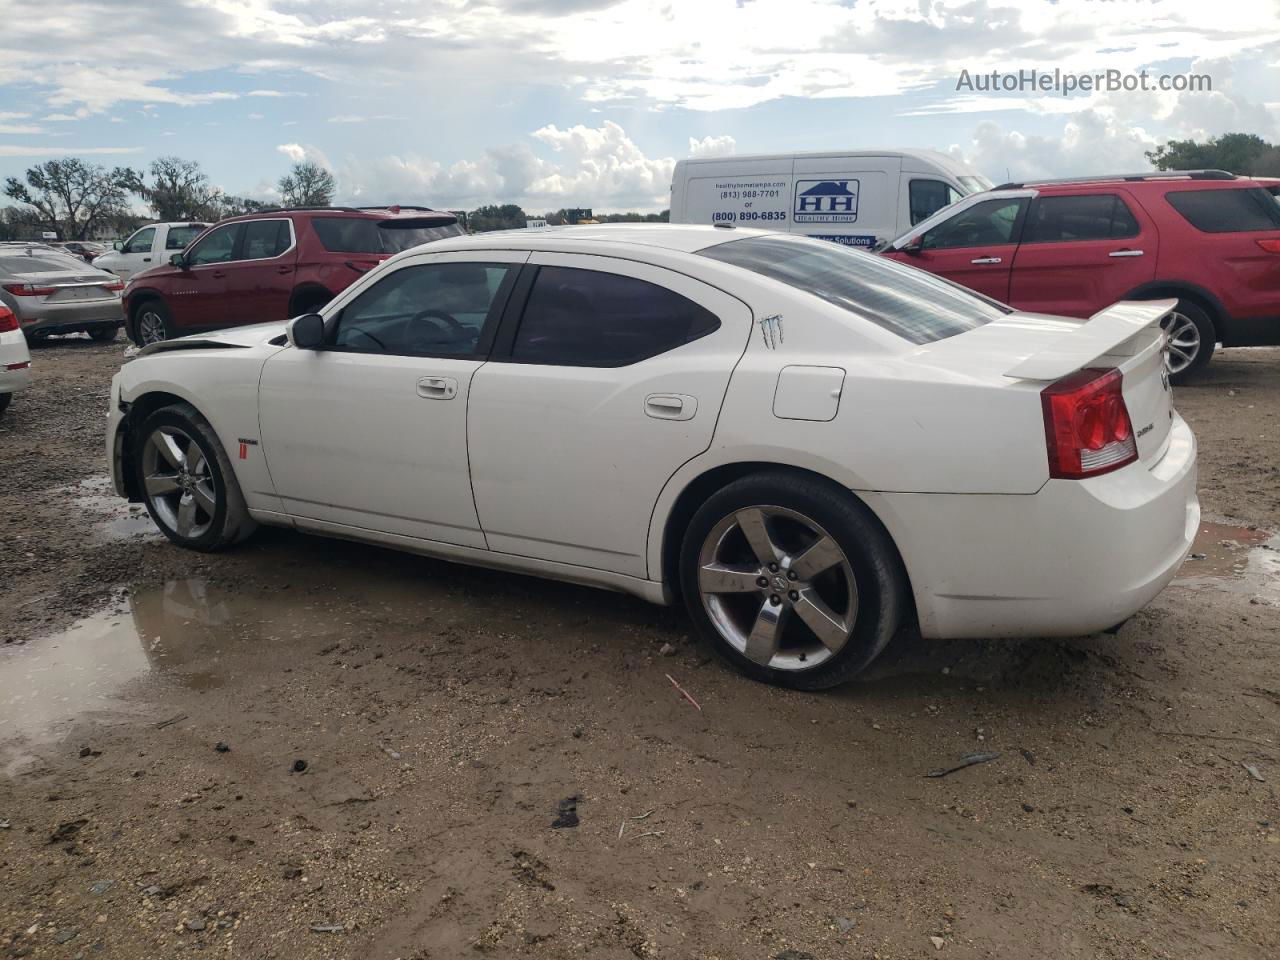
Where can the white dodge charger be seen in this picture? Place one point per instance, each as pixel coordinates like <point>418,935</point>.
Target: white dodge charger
<point>809,445</point>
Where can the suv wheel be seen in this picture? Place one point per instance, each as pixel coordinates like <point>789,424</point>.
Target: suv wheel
<point>791,580</point>
<point>187,481</point>
<point>152,323</point>
<point>1191,340</point>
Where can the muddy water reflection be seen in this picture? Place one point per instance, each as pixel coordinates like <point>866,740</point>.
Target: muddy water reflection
<point>1236,559</point>
<point>85,668</point>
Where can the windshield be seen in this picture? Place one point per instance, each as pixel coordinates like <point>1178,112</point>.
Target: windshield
<point>917,306</point>
<point>358,235</point>
<point>975,184</point>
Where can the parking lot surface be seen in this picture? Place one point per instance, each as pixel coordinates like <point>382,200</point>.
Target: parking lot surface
<point>307,748</point>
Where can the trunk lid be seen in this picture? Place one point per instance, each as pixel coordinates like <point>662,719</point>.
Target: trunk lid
<point>1030,351</point>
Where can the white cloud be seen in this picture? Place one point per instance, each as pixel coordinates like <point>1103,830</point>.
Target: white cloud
<point>357,118</point>
<point>712,146</point>
<point>297,153</point>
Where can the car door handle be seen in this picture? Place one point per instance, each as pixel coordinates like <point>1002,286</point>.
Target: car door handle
<point>438,388</point>
<point>1125,253</point>
<point>283,269</point>
<point>146,259</point>
<point>985,260</point>
<point>670,406</point>
<point>218,274</point>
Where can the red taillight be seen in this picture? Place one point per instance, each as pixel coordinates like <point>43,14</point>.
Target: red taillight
<point>18,366</point>
<point>1271,246</point>
<point>1086,425</point>
<point>113,287</point>
<point>28,290</point>
<point>8,322</point>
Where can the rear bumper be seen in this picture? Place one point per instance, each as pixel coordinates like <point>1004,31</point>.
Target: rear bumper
<point>13,354</point>
<point>66,317</point>
<point>1073,559</point>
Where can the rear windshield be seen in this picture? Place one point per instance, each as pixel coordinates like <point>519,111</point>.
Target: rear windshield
<point>1227,211</point>
<point>357,235</point>
<point>45,263</point>
<point>917,306</point>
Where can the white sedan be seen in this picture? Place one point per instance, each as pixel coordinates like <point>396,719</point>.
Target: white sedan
<point>810,446</point>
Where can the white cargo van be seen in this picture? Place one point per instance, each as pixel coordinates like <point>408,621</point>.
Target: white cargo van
<point>853,197</point>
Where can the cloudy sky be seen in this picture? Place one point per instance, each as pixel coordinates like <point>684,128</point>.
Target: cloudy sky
<point>550,103</point>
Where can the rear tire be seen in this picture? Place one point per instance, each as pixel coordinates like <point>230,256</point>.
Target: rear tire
<point>1192,339</point>
<point>187,481</point>
<point>5,398</point>
<point>104,334</point>
<point>792,580</point>
<point>152,323</point>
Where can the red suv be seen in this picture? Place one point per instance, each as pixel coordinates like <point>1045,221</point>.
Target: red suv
<point>1206,238</point>
<point>271,265</point>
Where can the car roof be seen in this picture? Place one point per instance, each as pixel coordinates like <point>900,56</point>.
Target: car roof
<point>387,212</point>
<point>680,238</point>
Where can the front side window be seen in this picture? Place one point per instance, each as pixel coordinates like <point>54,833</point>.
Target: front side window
<point>216,247</point>
<point>986,224</point>
<point>264,239</point>
<point>587,318</point>
<point>432,310</point>
<point>1236,210</point>
<point>927,197</point>
<point>1101,216</point>
<point>362,235</point>
<point>179,238</point>
<point>918,306</point>
<point>140,242</point>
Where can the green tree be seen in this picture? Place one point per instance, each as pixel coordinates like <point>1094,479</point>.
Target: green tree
<point>1234,152</point>
<point>507,216</point>
<point>232,206</point>
<point>1267,163</point>
<point>71,197</point>
<point>180,190</point>
<point>307,184</point>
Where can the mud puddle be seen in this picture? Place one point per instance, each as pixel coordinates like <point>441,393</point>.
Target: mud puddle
<point>1236,559</point>
<point>114,518</point>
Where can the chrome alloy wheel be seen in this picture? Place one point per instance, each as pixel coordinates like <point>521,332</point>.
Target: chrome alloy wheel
<point>778,588</point>
<point>1184,341</point>
<point>177,480</point>
<point>151,327</point>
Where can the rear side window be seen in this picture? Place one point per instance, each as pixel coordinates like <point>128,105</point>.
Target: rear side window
<point>927,197</point>
<point>1103,216</point>
<point>264,239</point>
<point>917,306</point>
<point>179,238</point>
<point>586,318</point>
<point>360,235</point>
<point>1227,211</point>
<point>986,224</point>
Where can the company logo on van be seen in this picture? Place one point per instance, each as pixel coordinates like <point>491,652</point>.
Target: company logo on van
<point>826,201</point>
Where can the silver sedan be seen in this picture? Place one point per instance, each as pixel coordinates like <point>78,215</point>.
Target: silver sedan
<point>51,291</point>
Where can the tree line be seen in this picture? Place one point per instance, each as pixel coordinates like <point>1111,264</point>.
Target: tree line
<point>78,200</point>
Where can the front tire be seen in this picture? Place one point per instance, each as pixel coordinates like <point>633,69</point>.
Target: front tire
<point>187,481</point>
<point>152,323</point>
<point>792,580</point>
<point>1191,340</point>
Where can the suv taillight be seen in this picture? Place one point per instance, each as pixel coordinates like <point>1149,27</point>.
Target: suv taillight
<point>1086,425</point>
<point>1271,246</point>
<point>8,322</point>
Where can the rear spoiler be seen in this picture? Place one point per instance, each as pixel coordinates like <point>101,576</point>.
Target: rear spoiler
<point>1101,334</point>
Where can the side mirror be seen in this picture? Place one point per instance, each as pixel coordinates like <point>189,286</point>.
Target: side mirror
<point>178,260</point>
<point>307,331</point>
<point>117,244</point>
<point>913,246</point>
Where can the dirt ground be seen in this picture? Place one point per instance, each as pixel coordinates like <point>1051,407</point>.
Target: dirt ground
<point>309,749</point>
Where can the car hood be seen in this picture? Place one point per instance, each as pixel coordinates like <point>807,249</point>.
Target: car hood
<point>253,335</point>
